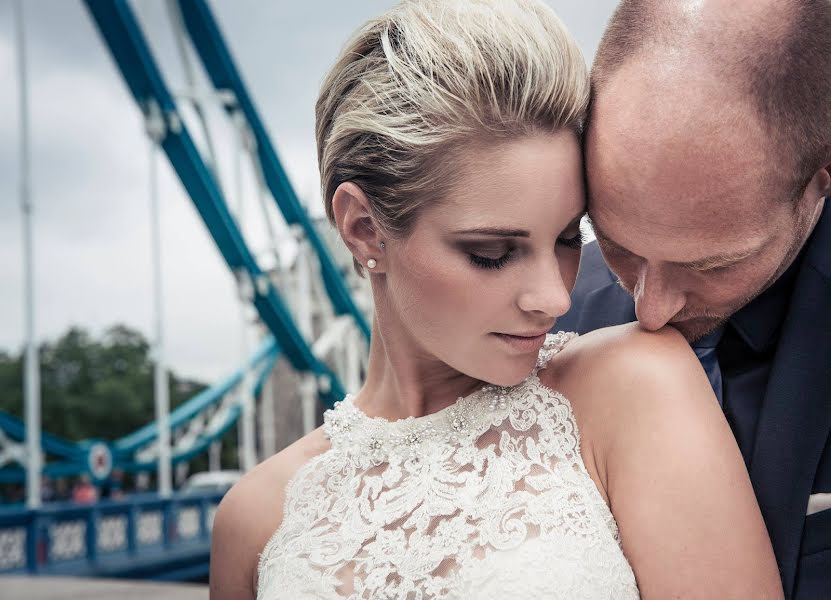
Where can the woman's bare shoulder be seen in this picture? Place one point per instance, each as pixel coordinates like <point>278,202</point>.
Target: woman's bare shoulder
<point>626,360</point>
<point>250,513</point>
<point>656,443</point>
<point>618,378</point>
<point>613,346</point>
<point>262,488</point>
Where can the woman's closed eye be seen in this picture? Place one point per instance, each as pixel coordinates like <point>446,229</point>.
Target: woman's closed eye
<point>488,254</point>
<point>498,258</point>
<point>490,262</point>
<point>573,242</point>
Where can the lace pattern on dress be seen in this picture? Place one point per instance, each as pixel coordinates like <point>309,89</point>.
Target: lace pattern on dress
<point>488,498</point>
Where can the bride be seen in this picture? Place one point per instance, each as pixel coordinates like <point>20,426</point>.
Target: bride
<point>483,458</point>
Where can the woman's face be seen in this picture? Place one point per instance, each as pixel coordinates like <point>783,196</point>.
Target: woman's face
<point>486,271</point>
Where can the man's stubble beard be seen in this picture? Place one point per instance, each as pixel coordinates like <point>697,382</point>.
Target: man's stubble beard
<point>711,323</point>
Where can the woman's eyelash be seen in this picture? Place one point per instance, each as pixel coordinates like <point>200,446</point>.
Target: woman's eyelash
<point>575,243</point>
<point>484,262</point>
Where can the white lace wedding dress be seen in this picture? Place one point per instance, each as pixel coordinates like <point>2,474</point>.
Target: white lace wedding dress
<point>488,498</point>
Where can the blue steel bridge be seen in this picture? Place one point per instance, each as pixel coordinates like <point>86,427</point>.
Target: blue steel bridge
<point>310,305</point>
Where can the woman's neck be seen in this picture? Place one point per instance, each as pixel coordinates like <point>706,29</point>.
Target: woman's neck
<point>402,382</point>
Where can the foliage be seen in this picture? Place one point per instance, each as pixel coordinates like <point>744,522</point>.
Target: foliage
<point>94,388</point>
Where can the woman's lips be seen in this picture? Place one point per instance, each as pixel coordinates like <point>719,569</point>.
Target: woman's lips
<point>522,343</point>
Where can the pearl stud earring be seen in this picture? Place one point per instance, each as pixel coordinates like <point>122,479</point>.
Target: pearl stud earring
<point>371,263</point>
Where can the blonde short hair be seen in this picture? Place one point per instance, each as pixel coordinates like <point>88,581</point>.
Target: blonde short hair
<point>430,77</point>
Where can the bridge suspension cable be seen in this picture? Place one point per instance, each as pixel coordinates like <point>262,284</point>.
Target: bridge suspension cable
<point>31,381</point>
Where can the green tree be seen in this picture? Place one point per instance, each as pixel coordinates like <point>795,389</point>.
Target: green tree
<point>98,388</point>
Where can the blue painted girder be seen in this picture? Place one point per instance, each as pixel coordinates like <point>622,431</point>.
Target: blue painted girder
<point>122,35</point>
<point>74,454</point>
<point>51,444</point>
<point>266,355</point>
<point>220,66</point>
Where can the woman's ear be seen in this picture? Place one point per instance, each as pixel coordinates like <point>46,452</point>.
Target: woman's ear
<point>357,227</point>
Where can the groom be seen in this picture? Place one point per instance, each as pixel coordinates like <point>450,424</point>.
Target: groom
<point>707,151</point>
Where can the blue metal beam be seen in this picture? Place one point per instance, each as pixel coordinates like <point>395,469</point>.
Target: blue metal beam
<point>220,66</point>
<point>216,433</point>
<point>122,35</point>
<point>265,355</point>
<point>176,554</point>
<point>74,454</point>
<point>51,444</point>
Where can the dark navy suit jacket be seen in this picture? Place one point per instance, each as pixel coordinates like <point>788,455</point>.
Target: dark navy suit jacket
<point>791,457</point>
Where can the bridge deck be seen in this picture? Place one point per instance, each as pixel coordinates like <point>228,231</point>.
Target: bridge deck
<point>69,588</point>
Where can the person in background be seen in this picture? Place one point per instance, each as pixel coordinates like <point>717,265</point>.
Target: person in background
<point>84,492</point>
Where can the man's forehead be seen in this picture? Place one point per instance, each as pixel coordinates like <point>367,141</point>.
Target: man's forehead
<point>675,186</point>
<point>675,167</point>
<point>679,243</point>
<point>671,97</point>
<point>698,214</point>
<point>626,218</point>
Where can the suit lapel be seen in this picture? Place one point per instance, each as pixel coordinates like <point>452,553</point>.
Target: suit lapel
<point>795,417</point>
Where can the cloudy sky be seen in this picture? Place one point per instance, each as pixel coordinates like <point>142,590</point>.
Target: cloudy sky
<point>90,168</point>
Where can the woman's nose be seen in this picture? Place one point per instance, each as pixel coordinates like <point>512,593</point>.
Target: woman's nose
<point>545,292</point>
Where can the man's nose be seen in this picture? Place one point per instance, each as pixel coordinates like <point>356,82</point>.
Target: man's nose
<point>545,292</point>
<point>657,300</point>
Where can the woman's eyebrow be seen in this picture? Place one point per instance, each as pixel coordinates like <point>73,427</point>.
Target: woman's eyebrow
<point>495,231</point>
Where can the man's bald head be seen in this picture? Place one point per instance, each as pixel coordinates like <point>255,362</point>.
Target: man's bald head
<point>772,55</point>
<point>707,150</point>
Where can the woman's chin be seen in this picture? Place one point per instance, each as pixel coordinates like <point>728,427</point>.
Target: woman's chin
<point>510,377</point>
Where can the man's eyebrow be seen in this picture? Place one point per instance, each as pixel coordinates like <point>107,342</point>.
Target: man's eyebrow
<point>721,260</point>
<point>702,264</point>
<point>600,235</point>
<point>494,231</point>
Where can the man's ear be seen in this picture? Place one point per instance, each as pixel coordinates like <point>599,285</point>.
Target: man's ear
<point>356,225</point>
<point>826,190</point>
<point>820,185</point>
